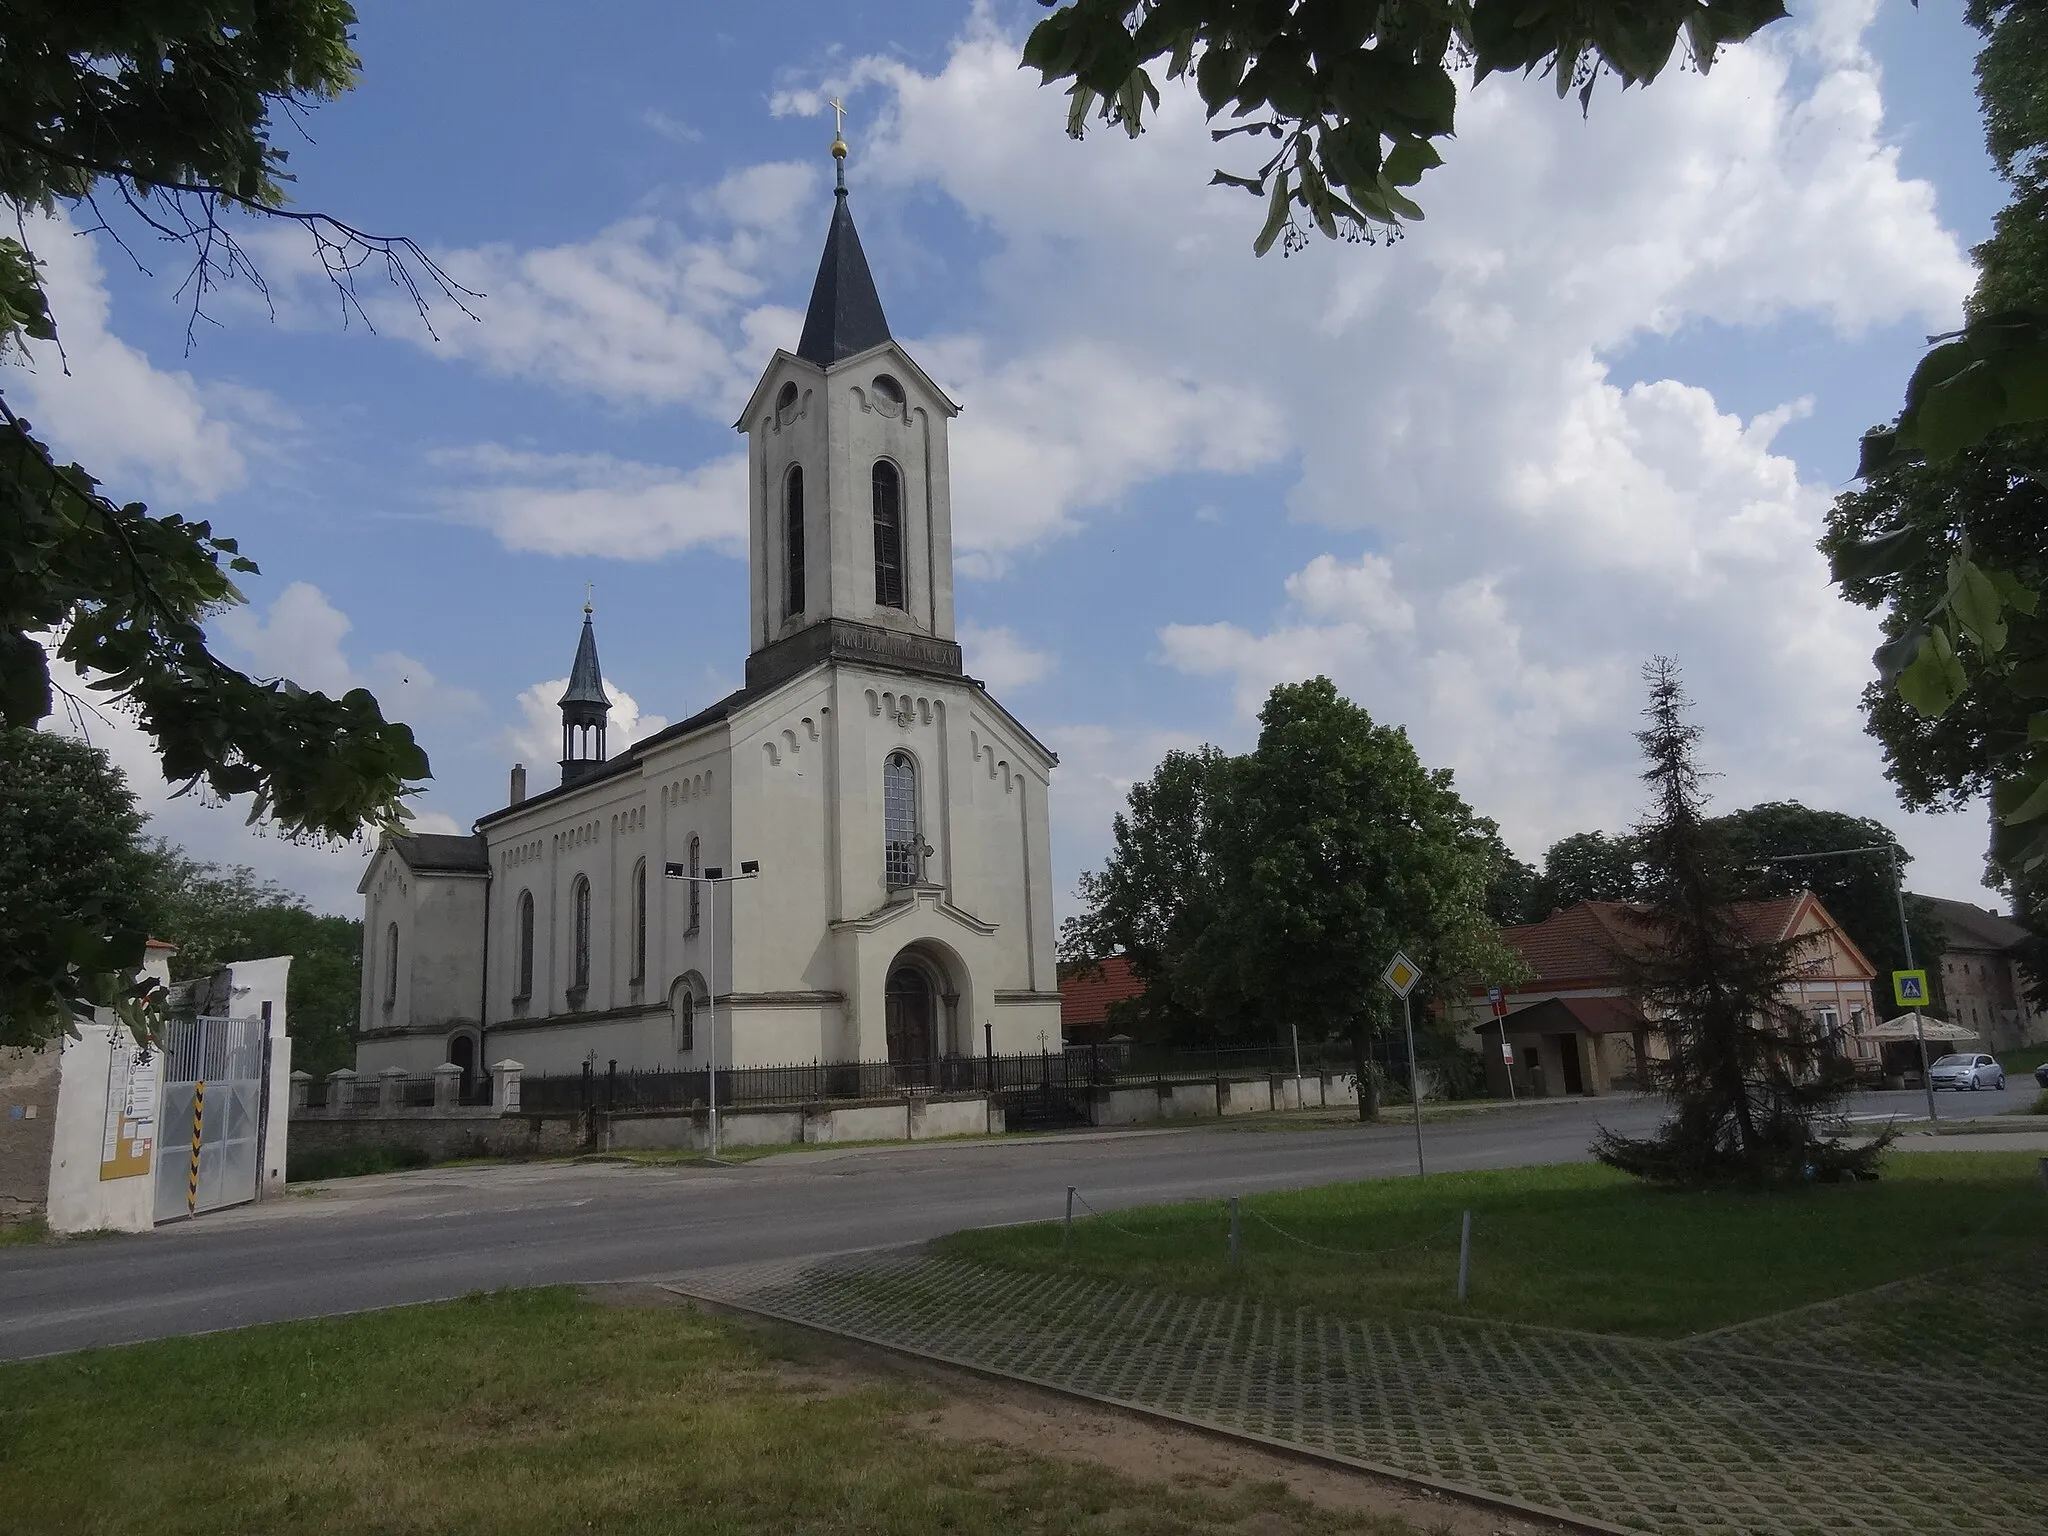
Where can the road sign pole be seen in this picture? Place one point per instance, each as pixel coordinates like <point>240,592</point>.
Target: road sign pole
<point>1906,935</point>
<point>1414,1082</point>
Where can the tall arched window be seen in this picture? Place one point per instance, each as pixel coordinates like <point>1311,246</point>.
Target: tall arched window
<point>888,536</point>
<point>793,542</point>
<point>579,964</point>
<point>696,890</point>
<point>391,965</point>
<point>903,847</point>
<point>524,987</point>
<point>639,922</point>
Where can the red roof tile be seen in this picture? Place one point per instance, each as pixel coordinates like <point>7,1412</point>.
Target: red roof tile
<point>1584,943</point>
<point>1085,997</point>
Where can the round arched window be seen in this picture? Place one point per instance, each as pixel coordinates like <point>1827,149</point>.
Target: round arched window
<point>888,395</point>
<point>785,398</point>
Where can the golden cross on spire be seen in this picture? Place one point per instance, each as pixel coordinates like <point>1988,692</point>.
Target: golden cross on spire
<point>838,128</point>
<point>589,596</point>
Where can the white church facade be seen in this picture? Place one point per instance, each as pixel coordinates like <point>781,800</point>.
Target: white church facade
<point>890,814</point>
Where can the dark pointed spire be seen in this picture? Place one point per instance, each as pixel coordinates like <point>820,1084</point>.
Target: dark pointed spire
<point>585,709</point>
<point>586,682</point>
<point>845,316</point>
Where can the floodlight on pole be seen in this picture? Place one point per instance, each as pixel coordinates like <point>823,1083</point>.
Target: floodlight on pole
<point>750,869</point>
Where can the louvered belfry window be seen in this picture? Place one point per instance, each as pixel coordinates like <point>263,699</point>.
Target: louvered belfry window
<point>888,536</point>
<point>793,543</point>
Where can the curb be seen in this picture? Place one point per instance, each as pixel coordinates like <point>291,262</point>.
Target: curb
<point>1563,1519</point>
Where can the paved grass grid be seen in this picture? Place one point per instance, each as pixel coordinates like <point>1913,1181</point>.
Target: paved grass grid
<point>1821,1421</point>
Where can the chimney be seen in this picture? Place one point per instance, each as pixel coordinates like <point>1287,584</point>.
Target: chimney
<point>518,784</point>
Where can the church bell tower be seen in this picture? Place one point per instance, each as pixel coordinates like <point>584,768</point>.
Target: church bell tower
<point>850,507</point>
<point>584,710</point>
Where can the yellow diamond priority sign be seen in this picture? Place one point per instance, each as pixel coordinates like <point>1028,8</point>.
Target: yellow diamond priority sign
<point>1401,975</point>
<point>1910,988</point>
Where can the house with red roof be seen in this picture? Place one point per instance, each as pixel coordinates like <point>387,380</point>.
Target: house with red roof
<point>1086,992</point>
<point>1574,1027</point>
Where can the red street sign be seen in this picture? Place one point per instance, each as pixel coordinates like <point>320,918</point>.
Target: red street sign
<point>1500,1004</point>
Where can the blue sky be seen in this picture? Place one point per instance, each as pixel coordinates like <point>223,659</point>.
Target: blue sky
<point>1593,408</point>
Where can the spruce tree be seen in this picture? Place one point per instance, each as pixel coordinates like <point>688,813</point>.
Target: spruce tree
<point>1750,1078</point>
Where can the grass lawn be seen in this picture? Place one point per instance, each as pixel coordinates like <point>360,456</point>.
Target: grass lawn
<point>2022,1063</point>
<point>1579,1246</point>
<point>538,1411</point>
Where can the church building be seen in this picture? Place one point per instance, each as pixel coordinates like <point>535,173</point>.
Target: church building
<point>852,850</point>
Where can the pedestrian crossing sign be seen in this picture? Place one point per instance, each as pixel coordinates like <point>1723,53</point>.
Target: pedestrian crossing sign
<point>1910,988</point>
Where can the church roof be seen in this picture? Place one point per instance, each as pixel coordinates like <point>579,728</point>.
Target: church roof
<point>586,683</point>
<point>444,851</point>
<point>845,316</point>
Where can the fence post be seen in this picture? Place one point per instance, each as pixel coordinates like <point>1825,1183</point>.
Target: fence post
<point>390,1088</point>
<point>1233,1232</point>
<point>1464,1255</point>
<point>505,1077</point>
<point>1067,1227</point>
<point>341,1088</point>
<point>447,1085</point>
<point>302,1090</point>
<point>611,1084</point>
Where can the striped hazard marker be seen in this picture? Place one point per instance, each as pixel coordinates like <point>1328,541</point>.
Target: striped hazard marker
<point>198,1120</point>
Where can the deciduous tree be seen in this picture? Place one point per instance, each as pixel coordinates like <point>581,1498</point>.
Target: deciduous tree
<point>159,115</point>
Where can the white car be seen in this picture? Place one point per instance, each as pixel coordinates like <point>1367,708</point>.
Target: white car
<point>1965,1071</point>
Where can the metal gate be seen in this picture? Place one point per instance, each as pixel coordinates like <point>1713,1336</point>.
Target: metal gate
<point>210,1134</point>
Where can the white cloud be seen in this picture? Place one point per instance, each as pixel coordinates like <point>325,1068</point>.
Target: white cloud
<point>594,504</point>
<point>1514,529</point>
<point>300,638</point>
<point>537,738</point>
<point>95,398</point>
<point>1001,659</point>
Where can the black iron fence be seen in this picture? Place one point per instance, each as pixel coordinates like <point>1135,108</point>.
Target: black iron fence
<point>1045,1073</point>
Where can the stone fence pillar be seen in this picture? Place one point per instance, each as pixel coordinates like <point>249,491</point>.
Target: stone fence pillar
<point>390,1088</point>
<point>302,1090</point>
<point>341,1088</point>
<point>505,1086</point>
<point>447,1085</point>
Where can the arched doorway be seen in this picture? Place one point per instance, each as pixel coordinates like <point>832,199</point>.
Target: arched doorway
<point>910,1018</point>
<point>462,1053</point>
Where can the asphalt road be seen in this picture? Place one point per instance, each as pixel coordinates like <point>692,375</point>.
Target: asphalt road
<point>438,1233</point>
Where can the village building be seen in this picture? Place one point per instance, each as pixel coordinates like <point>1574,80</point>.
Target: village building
<point>1087,993</point>
<point>1980,983</point>
<point>891,815</point>
<point>1575,1027</point>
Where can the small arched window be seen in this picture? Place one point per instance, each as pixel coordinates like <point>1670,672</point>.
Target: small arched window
<point>785,398</point>
<point>888,536</point>
<point>639,922</point>
<point>793,542</point>
<point>524,987</point>
<point>579,963</point>
<point>391,965</point>
<point>903,846</point>
<point>696,890</point>
<point>888,395</point>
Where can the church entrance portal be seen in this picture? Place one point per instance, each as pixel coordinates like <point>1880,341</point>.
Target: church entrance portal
<point>910,1022</point>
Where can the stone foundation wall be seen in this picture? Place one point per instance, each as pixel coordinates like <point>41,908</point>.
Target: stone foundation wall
<point>1221,1096</point>
<point>28,1128</point>
<point>442,1134</point>
<point>919,1118</point>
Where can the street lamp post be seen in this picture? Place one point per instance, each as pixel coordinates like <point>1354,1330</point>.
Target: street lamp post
<point>713,877</point>
<point>1891,853</point>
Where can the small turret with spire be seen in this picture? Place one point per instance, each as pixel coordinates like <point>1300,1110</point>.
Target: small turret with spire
<point>585,709</point>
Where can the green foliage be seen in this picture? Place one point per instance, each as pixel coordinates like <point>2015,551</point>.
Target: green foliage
<point>1591,866</point>
<point>304,1165</point>
<point>1258,892</point>
<point>1514,890</point>
<point>164,109</point>
<point>1746,1072</point>
<point>76,901</point>
<point>1858,891</point>
<point>218,915</point>
<point>1947,532</point>
<point>1353,98</point>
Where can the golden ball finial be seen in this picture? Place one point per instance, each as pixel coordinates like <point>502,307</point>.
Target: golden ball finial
<point>838,148</point>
